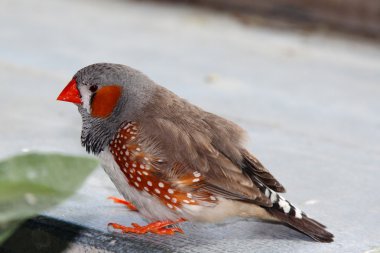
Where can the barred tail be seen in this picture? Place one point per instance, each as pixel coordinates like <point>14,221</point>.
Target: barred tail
<point>285,212</point>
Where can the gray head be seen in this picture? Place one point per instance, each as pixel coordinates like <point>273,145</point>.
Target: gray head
<point>107,95</point>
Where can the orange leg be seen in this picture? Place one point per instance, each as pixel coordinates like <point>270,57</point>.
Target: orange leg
<point>122,201</point>
<point>158,227</point>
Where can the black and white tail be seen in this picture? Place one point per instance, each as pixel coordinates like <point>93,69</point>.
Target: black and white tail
<point>284,211</point>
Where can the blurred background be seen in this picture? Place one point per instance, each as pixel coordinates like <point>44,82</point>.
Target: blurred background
<point>302,77</point>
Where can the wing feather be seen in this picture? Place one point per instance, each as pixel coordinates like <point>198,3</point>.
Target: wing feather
<point>201,141</point>
<point>258,172</point>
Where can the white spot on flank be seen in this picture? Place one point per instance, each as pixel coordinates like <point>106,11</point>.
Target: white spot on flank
<point>145,173</point>
<point>160,184</point>
<point>134,165</point>
<point>137,184</point>
<point>142,166</point>
<point>149,183</point>
<point>189,195</point>
<point>196,180</point>
<point>170,191</point>
<point>212,198</point>
<point>157,190</point>
<point>186,201</point>
<point>124,147</point>
<point>169,205</point>
<point>146,158</point>
<point>166,197</point>
<point>138,172</point>
<point>146,188</point>
<point>174,200</point>
<point>196,174</point>
<point>138,149</point>
<point>139,179</point>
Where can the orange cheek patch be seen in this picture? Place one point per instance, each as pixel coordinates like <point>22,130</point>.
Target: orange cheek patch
<point>105,100</point>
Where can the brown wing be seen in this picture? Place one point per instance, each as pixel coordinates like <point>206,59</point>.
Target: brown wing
<point>183,133</point>
<point>193,150</point>
<point>252,167</point>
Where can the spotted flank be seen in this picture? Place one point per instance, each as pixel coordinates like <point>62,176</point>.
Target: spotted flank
<point>142,173</point>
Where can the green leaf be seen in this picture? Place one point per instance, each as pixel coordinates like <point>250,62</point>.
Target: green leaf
<point>32,183</point>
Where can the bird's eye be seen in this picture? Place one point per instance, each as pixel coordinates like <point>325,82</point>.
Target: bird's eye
<point>93,88</point>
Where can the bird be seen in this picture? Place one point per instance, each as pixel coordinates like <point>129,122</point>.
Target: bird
<point>172,161</point>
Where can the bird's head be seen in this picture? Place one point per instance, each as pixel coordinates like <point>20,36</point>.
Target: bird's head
<point>107,95</point>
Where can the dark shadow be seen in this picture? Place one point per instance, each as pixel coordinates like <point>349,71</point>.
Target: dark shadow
<point>44,234</point>
<point>48,235</point>
<point>41,234</point>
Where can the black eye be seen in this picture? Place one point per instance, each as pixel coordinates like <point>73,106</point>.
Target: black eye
<point>93,88</point>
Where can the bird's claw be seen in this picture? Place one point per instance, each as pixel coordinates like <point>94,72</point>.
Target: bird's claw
<point>124,202</point>
<point>158,227</point>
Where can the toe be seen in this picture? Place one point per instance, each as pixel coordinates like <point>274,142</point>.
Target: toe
<point>122,201</point>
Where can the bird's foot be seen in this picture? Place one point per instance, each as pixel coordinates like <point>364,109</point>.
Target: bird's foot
<point>158,227</point>
<point>124,202</point>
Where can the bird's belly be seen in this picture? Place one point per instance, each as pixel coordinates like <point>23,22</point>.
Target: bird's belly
<point>148,206</point>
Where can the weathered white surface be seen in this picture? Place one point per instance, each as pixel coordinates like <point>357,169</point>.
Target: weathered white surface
<point>310,104</point>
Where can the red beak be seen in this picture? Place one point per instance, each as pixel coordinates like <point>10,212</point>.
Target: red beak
<point>70,93</point>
